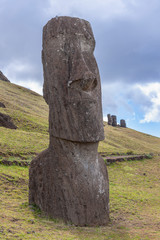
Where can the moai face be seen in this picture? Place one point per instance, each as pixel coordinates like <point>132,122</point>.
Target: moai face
<point>71,80</point>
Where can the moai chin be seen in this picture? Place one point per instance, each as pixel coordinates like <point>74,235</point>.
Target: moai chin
<point>69,180</point>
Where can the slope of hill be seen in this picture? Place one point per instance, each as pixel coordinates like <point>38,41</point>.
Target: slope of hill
<point>134,186</point>
<point>126,140</point>
<point>29,113</point>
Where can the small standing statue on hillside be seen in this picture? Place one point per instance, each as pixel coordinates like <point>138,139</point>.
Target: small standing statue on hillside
<point>69,180</point>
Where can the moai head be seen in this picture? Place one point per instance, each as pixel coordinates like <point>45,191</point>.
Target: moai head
<point>71,80</point>
<point>109,119</point>
<point>114,120</point>
<point>123,123</point>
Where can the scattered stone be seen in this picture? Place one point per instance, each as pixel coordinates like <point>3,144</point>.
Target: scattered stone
<point>6,121</point>
<point>122,123</point>
<point>2,105</point>
<point>3,78</point>
<point>114,120</point>
<point>69,180</point>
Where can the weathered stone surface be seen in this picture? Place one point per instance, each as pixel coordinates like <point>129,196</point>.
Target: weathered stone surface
<point>123,123</point>
<point>71,80</point>
<point>109,119</point>
<point>5,121</point>
<point>2,105</point>
<point>3,78</point>
<point>114,120</point>
<point>69,180</point>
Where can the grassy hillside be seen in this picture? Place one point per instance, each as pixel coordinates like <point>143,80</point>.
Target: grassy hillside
<point>126,140</point>
<point>134,206</point>
<point>134,186</point>
<point>30,113</point>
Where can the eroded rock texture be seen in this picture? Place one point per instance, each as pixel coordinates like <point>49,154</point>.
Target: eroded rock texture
<point>69,180</point>
<point>71,80</point>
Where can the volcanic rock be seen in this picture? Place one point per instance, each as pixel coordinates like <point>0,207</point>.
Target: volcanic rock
<point>5,121</point>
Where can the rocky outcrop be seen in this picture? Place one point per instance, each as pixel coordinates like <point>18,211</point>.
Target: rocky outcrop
<point>69,180</point>
<point>6,121</point>
<point>3,78</point>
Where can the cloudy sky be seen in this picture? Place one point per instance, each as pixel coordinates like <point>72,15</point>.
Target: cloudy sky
<point>127,51</point>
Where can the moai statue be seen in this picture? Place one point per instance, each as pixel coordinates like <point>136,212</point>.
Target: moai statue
<point>114,120</point>
<point>69,180</point>
<point>122,123</point>
<point>109,119</point>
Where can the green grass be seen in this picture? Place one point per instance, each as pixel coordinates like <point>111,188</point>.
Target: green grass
<point>125,140</point>
<point>22,143</point>
<point>30,114</point>
<point>134,206</point>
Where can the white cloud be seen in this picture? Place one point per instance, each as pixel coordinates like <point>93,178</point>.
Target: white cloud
<point>152,113</point>
<point>16,68</point>
<point>31,84</point>
<point>105,118</point>
<point>103,9</point>
<point>21,73</point>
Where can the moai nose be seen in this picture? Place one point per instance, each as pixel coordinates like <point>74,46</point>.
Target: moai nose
<point>87,82</point>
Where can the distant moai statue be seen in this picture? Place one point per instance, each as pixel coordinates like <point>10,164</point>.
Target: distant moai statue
<point>122,123</point>
<point>109,119</point>
<point>114,120</point>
